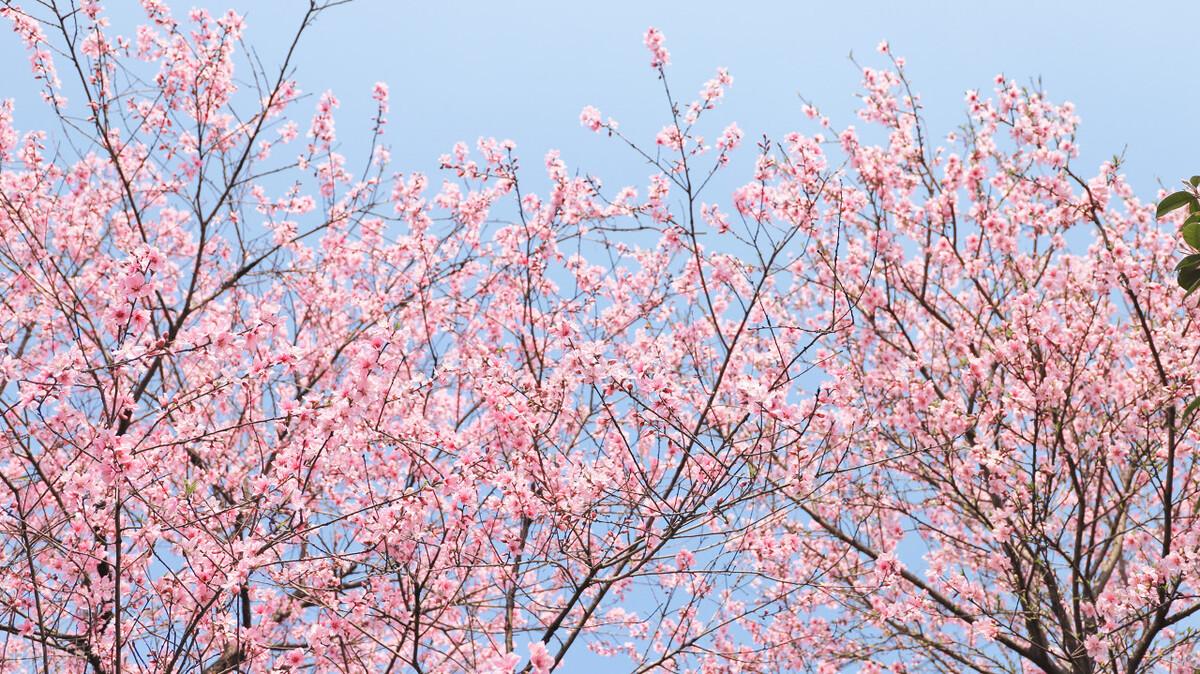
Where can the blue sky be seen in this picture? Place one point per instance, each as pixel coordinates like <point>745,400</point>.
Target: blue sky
<point>523,70</point>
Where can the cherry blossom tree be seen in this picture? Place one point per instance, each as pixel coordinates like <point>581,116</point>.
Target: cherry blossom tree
<point>267,407</point>
<point>1009,385</point>
<point>902,402</point>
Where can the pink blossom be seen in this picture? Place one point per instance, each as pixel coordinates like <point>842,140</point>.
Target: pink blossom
<point>539,658</point>
<point>653,40</point>
<point>730,137</point>
<point>590,117</point>
<point>380,94</point>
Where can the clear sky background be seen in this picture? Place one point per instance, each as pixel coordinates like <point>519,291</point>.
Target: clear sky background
<point>523,70</point>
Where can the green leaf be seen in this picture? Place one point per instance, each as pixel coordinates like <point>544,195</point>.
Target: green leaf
<point>1174,201</point>
<point>1191,232</point>
<point>1195,181</point>
<point>1189,279</point>
<point>1190,409</point>
<point>1190,262</point>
